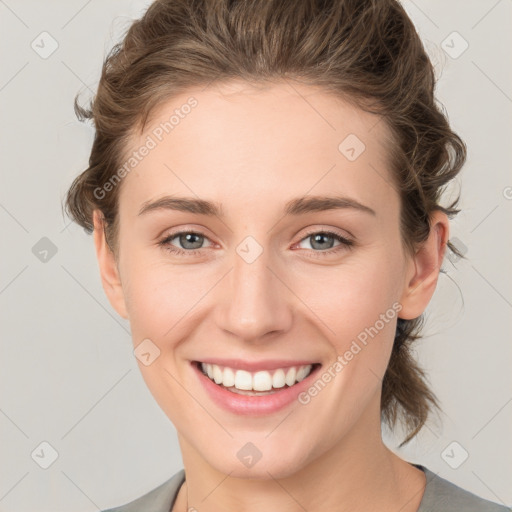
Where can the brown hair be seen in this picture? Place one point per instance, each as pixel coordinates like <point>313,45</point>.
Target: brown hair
<point>365,51</point>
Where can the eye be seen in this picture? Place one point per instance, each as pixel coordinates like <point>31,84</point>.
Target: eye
<point>191,241</point>
<point>324,240</point>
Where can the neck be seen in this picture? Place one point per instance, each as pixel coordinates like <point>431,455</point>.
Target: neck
<point>356,474</point>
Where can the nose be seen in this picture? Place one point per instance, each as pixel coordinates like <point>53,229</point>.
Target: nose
<point>256,302</point>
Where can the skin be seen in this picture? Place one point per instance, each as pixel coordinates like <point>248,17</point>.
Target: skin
<point>253,149</point>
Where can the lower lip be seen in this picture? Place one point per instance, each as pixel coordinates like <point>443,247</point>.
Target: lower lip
<point>253,405</point>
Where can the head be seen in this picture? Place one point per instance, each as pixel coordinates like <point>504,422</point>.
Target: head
<point>262,108</point>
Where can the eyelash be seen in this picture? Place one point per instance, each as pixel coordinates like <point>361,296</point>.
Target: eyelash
<point>345,243</point>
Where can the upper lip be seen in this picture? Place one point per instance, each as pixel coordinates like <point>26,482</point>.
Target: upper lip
<point>251,366</point>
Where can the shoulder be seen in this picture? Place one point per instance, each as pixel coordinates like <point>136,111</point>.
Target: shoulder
<point>159,499</point>
<point>442,496</point>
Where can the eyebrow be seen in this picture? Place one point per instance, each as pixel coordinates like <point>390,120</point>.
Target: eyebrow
<point>294,207</point>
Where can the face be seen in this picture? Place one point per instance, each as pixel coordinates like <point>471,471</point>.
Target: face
<point>269,280</point>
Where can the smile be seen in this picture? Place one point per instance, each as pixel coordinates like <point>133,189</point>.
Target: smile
<point>254,387</point>
<point>261,382</point>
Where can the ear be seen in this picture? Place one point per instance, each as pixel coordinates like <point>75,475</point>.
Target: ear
<point>108,266</point>
<point>424,267</point>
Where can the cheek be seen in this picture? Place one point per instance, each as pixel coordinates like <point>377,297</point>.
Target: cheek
<point>356,307</point>
<point>159,296</point>
<point>352,297</point>
<point>162,298</point>
<point>163,302</point>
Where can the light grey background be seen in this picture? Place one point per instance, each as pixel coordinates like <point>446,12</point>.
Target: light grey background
<point>67,373</point>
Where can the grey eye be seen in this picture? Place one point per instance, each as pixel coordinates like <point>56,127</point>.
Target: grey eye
<point>190,240</point>
<point>319,241</point>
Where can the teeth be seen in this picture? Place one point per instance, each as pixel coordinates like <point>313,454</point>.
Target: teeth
<point>243,380</point>
<point>228,378</point>
<point>257,381</point>
<point>217,375</point>
<point>291,376</point>
<point>278,379</point>
<point>262,381</point>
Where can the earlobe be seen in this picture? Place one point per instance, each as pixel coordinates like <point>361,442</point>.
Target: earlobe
<point>423,272</point>
<point>108,267</point>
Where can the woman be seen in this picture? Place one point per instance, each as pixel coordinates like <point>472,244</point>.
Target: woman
<point>233,140</point>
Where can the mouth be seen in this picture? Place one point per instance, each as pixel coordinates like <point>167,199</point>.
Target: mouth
<point>256,383</point>
<point>254,388</point>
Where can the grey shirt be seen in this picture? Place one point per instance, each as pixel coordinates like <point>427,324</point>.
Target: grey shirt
<point>440,496</point>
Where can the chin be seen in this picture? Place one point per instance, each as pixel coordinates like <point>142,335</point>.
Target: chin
<point>276,461</point>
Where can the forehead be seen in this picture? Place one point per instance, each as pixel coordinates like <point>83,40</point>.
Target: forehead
<point>269,142</point>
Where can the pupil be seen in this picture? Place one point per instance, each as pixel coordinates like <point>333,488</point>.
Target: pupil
<point>185,239</point>
<point>318,239</point>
